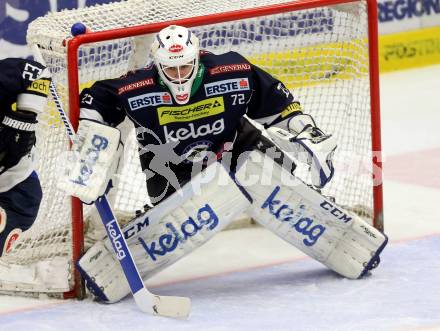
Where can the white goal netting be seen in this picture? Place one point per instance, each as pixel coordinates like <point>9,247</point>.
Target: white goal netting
<point>320,53</point>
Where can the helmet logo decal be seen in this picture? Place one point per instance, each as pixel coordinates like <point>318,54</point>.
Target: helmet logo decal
<point>175,48</point>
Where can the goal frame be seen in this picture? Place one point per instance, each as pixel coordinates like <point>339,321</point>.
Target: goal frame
<point>73,45</point>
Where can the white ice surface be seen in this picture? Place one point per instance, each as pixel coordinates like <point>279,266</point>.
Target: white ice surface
<point>251,280</point>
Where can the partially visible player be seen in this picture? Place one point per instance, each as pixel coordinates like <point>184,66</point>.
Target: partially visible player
<point>24,85</point>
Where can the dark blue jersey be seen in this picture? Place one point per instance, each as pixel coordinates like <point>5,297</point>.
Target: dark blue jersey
<point>227,87</point>
<point>20,190</point>
<point>26,81</point>
<point>18,76</point>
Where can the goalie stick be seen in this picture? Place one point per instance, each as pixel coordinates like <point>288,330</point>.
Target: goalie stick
<point>170,306</point>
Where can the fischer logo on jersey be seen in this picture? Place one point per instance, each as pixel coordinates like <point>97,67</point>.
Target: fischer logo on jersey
<point>191,112</point>
<point>150,99</point>
<point>226,86</point>
<point>191,131</point>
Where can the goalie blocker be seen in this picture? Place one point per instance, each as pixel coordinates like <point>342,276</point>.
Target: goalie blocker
<point>92,161</point>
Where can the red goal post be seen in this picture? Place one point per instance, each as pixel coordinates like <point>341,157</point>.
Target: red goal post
<point>334,70</point>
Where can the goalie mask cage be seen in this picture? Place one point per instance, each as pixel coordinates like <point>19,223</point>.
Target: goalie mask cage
<point>325,51</point>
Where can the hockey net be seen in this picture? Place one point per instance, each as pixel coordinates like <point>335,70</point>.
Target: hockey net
<point>324,51</point>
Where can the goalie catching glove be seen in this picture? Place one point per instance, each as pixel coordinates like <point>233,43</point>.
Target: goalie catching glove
<point>308,144</point>
<point>92,161</point>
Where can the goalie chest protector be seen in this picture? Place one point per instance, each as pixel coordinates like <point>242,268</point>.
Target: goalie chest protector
<point>227,87</point>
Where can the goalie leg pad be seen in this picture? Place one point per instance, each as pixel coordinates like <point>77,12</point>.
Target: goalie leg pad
<point>318,227</point>
<point>178,225</point>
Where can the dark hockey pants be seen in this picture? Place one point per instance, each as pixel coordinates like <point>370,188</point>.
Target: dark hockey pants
<point>21,204</point>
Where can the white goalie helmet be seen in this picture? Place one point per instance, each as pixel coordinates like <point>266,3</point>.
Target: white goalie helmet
<point>175,52</point>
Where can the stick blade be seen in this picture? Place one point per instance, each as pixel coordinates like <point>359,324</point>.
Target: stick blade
<point>177,307</point>
<point>169,306</point>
